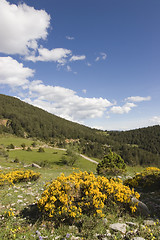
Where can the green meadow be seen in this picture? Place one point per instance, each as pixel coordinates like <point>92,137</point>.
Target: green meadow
<point>19,217</point>
<point>6,140</point>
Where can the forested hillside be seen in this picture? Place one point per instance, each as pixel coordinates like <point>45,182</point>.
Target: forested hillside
<point>141,146</point>
<point>145,138</point>
<point>26,120</point>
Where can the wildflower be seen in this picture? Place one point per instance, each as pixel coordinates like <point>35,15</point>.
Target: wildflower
<point>38,233</point>
<point>67,235</point>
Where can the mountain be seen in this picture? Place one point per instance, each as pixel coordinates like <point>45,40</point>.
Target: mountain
<point>23,119</point>
<point>145,138</point>
<point>140,146</point>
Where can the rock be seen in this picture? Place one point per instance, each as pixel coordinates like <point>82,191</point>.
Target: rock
<point>121,227</point>
<point>128,177</point>
<point>131,233</point>
<point>149,222</point>
<point>35,165</point>
<point>105,221</point>
<point>142,207</point>
<point>73,228</point>
<point>96,235</point>
<point>75,238</point>
<point>138,238</point>
<point>108,234</point>
<point>120,177</point>
<point>132,224</point>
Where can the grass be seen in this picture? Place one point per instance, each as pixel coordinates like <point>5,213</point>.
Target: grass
<point>21,199</point>
<point>51,159</point>
<point>7,139</point>
<point>131,171</point>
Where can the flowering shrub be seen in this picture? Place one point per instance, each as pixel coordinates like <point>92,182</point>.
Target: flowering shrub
<point>83,193</point>
<point>18,176</point>
<point>9,213</point>
<point>149,177</point>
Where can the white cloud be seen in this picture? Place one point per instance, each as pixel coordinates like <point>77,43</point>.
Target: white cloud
<point>122,109</point>
<point>65,102</point>
<point>97,127</point>
<point>14,73</point>
<point>21,27</point>
<point>70,38</point>
<point>77,58</point>
<point>138,99</point>
<point>97,59</point>
<point>155,120</point>
<point>68,68</point>
<point>58,55</point>
<point>84,91</point>
<point>88,64</point>
<point>102,56</point>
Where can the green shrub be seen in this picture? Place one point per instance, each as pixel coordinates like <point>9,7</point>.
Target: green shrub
<point>29,149</point>
<point>41,150</point>
<point>112,164</point>
<point>70,158</point>
<point>10,146</point>
<point>34,144</point>
<point>16,160</point>
<point>23,145</point>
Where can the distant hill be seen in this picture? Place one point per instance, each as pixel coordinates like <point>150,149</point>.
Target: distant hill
<point>145,138</point>
<point>140,146</point>
<point>27,120</point>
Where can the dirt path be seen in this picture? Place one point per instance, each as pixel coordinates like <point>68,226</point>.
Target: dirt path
<point>89,159</point>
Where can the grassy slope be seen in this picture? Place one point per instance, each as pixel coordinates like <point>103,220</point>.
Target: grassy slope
<point>22,195</point>
<point>7,139</point>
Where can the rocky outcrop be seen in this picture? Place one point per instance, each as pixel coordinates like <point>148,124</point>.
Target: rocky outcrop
<point>142,208</point>
<point>120,227</point>
<point>33,165</point>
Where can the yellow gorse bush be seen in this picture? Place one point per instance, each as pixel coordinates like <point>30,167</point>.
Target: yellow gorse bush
<point>18,176</point>
<point>83,193</point>
<point>149,177</point>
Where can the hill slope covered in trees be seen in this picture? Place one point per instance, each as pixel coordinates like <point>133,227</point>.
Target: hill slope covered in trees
<point>141,146</point>
<point>25,119</point>
<point>145,138</point>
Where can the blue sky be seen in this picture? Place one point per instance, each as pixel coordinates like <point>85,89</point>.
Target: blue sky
<point>92,62</point>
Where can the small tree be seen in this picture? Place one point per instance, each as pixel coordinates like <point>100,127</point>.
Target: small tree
<point>41,150</point>
<point>70,158</point>
<point>11,146</point>
<point>33,144</point>
<point>29,149</point>
<point>23,145</point>
<point>112,164</point>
